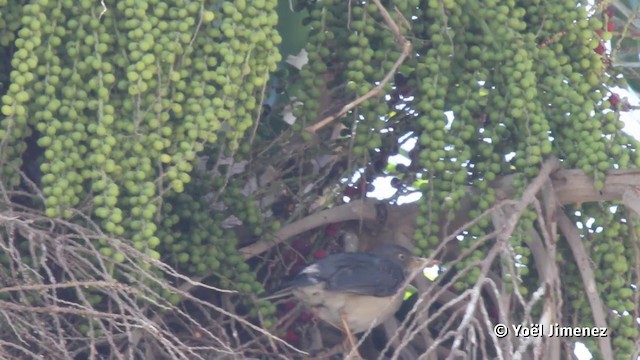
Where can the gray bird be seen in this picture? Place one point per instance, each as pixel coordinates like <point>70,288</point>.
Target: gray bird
<point>354,291</point>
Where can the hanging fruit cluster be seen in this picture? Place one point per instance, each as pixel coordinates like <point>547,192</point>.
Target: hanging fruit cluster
<point>115,100</point>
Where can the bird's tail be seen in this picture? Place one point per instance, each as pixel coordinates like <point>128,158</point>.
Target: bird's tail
<point>277,293</point>
<point>283,290</point>
<point>287,288</point>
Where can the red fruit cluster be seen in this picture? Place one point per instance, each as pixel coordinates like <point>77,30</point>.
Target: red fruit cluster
<point>295,262</point>
<point>288,306</point>
<point>305,317</point>
<point>292,336</point>
<point>610,27</point>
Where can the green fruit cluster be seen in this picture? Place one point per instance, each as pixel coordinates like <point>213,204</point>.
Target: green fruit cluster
<point>121,98</point>
<point>192,237</point>
<point>364,52</point>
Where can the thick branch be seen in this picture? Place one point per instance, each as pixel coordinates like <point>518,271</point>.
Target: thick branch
<point>355,210</point>
<point>631,199</point>
<point>570,186</point>
<point>574,186</point>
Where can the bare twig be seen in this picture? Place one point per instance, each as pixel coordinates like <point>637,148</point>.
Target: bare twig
<point>377,90</point>
<point>131,312</point>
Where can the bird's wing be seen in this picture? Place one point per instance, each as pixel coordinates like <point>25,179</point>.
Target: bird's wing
<point>356,273</point>
<point>366,275</point>
<point>315,274</point>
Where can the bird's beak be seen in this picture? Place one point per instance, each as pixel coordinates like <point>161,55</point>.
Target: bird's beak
<point>420,263</point>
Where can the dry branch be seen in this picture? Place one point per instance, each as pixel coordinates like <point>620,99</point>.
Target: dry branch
<point>134,316</point>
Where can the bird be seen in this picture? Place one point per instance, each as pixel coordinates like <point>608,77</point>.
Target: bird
<point>354,291</point>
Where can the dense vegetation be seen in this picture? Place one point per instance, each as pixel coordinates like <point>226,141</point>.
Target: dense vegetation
<point>162,162</point>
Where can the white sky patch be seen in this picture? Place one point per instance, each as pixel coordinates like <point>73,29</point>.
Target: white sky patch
<point>399,159</point>
<point>631,119</point>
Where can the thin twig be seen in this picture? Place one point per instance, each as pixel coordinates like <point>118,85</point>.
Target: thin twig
<point>377,90</point>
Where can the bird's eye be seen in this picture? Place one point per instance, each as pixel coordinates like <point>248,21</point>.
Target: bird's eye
<point>401,256</point>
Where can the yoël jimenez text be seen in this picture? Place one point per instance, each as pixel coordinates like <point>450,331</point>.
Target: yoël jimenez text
<point>555,330</point>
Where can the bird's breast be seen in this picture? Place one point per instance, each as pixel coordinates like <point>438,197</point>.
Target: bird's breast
<point>369,311</point>
<point>361,311</point>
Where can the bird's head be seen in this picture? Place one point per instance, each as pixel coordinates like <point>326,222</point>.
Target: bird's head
<point>400,256</point>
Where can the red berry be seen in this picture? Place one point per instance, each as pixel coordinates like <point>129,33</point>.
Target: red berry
<point>609,12</point>
<point>291,256</point>
<point>331,230</point>
<point>611,26</point>
<point>614,99</point>
<point>350,191</point>
<point>289,305</point>
<point>599,32</point>
<point>600,49</point>
<point>291,337</point>
<point>302,246</point>
<point>319,254</point>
